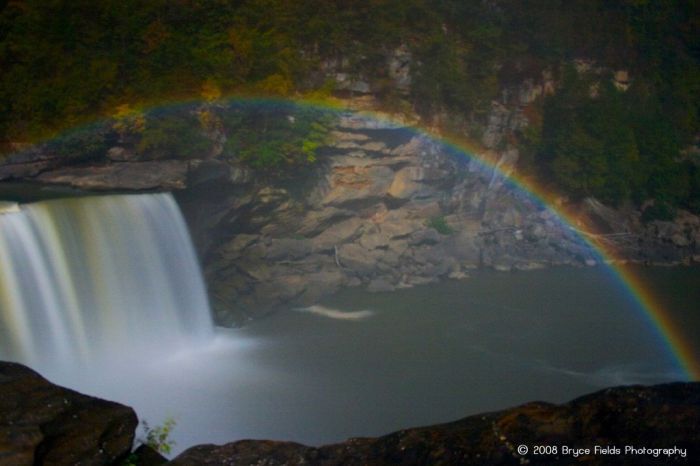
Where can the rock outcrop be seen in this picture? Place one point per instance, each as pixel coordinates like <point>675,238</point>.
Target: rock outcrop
<point>44,424</point>
<point>137,176</point>
<point>661,423</point>
<point>384,207</point>
<point>657,242</point>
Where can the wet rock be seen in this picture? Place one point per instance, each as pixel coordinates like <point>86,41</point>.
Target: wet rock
<point>44,424</point>
<point>320,284</point>
<point>462,246</point>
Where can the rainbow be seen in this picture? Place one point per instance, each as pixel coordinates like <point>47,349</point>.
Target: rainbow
<point>650,309</point>
<point>653,312</point>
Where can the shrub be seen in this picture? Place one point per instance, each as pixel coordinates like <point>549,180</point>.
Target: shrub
<point>157,437</point>
<point>440,225</point>
<point>659,210</point>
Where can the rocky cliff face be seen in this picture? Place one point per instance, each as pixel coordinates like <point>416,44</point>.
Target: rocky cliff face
<point>384,207</point>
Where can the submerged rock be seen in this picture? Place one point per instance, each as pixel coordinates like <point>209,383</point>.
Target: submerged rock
<point>44,424</point>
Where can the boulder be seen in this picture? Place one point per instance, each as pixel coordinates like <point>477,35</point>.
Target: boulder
<point>416,182</point>
<point>357,259</point>
<point>399,223</point>
<point>288,249</point>
<point>374,240</point>
<point>338,234</point>
<point>147,456</point>
<point>354,183</point>
<point>233,248</point>
<point>316,221</point>
<point>426,236</point>
<point>410,148</point>
<point>319,285</point>
<point>44,424</point>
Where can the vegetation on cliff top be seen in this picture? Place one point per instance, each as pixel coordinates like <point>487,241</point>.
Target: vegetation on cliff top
<point>616,146</point>
<point>69,62</point>
<point>266,135</point>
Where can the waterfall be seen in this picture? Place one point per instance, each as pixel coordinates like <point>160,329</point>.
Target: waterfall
<point>97,277</point>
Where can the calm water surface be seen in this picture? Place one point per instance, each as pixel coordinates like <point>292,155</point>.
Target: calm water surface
<point>419,356</point>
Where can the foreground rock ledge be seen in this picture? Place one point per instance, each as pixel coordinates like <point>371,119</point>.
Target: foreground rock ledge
<point>43,424</point>
<point>661,416</point>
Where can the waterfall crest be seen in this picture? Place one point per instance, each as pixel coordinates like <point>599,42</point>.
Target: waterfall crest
<point>98,276</point>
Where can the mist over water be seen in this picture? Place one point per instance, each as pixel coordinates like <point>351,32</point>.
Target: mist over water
<point>105,295</point>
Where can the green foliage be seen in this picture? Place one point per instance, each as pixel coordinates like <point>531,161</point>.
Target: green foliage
<point>693,200</point>
<point>83,144</point>
<point>60,70</point>
<point>598,141</point>
<point>440,225</point>
<point>158,437</point>
<point>131,460</point>
<point>271,136</point>
<point>176,135</point>
<point>659,210</point>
